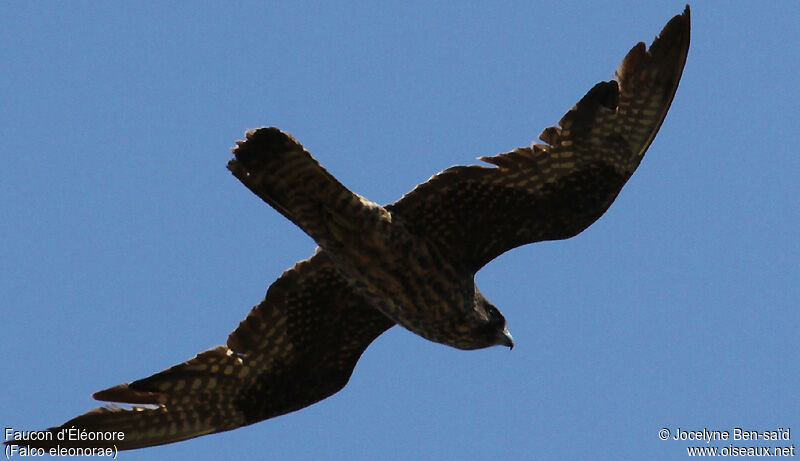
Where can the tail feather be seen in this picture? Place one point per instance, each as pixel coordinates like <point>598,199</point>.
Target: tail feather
<point>277,168</point>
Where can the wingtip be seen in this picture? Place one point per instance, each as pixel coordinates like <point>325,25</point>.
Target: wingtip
<point>671,44</point>
<point>679,25</point>
<point>123,393</point>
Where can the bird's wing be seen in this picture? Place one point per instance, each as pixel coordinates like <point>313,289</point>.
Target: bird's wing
<point>296,347</point>
<point>555,190</point>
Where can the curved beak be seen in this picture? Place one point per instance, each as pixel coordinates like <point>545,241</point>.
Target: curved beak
<point>506,339</point>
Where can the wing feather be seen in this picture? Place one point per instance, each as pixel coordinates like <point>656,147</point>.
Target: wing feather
<point>295,348</point>
<point>555,190</point>
<point>301,343</point>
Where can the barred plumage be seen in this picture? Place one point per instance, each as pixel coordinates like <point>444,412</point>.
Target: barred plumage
<point>411,262</point>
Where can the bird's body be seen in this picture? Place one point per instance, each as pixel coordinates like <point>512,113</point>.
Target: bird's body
<point>411,262</point>
<point>403,274</point>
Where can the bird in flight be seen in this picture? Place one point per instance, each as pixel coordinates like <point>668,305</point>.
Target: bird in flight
<point>410,263</point>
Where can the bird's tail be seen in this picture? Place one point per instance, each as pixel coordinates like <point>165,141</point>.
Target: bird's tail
<point>274,166</point>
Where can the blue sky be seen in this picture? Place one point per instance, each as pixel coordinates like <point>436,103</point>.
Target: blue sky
<point>127,247</point>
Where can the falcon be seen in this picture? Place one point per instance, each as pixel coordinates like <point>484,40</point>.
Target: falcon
<point>410,263</point>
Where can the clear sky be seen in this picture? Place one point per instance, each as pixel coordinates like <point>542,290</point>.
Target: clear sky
<point>127,247</point>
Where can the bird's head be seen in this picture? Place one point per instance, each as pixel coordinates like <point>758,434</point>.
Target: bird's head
<point>493,330</point>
